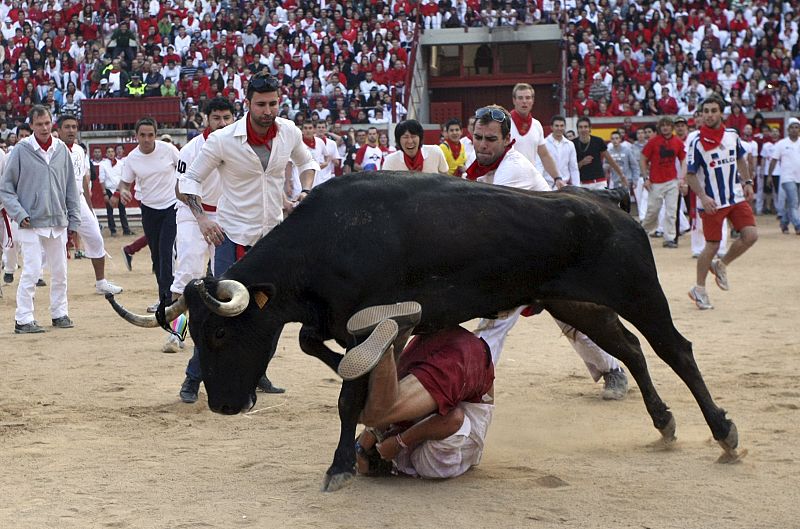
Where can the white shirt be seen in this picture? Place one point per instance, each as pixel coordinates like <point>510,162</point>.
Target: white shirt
<point>154,175</point>
<point>80,163</point>
<point>787,152</point>
<point>211,188</point>
<point>453,455</point>
<point>766,153</point>
<point>528,144</point>
<point>469,149</point>
<point>517,171</point>
<point>110,174</point>
<point>433,161</point>
<point>251,203</point>
<point>751,147</point>
<point>565,158</point>
<point>331,151</point>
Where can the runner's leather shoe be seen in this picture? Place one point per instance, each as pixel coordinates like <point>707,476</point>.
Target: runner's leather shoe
<point>264,384</point>
<point>189,390</point>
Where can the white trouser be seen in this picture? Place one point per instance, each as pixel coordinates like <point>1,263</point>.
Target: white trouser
<point>662,195</point>
<point>191,249</point>
<point>596,185</point>
<point>11,253</point>
<point>89,230</point>
<point>598,362</point>
<point>640,193</point>
<point>55,248</point>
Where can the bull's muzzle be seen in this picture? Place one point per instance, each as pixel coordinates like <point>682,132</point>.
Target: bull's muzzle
<point>148,320</point>
<point>234,297</point>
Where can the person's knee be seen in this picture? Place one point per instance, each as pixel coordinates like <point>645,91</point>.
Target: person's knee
<point>749,235</point>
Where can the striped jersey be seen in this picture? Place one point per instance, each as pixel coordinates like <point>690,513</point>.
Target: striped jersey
<point>716,169</point>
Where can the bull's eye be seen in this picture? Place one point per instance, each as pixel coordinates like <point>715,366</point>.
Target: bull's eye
<point>220,334</point>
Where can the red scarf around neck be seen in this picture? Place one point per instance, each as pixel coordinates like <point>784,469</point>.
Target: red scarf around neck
<point>255,140</point>
<point>477,170</point>
<point>46,145</point>
<point>310,142</point>
<point>415,163</point>
<point>455,148</point>
<point>208,131</point>
<point>523,124</point>
<point>710,138</point>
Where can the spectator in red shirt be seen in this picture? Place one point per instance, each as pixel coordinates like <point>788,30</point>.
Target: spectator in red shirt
<point>661,179</point>
<point>667,104</point>
<point>584,106</point>
<point>736,120</point>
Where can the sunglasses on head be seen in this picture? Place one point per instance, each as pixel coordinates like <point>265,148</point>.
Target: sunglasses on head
<point>495,113</point>
<point>264,84</point>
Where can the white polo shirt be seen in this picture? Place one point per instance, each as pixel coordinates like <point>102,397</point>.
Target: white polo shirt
<point>154,175</point>
<point>211,189</point>
<point>787,152</point>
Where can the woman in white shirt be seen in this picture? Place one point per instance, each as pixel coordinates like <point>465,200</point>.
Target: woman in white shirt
<point>411,154</point>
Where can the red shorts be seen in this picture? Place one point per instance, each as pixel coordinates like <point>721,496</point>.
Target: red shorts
<point>740,215</point>
<point>453,365</point>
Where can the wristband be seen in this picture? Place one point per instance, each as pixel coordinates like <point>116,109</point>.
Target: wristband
<point>748,182</point>
<point>400,441</point>
<point>557,178</point>
<point>116,194</point>
<point>306,191</point>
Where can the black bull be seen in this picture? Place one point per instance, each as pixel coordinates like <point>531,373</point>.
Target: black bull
<point>462,250</point>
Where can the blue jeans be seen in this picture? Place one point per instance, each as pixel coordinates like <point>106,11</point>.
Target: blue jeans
<point>224,257</point>
<point>790,202</point>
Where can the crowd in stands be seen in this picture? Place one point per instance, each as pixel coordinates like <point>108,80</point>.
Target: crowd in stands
<point>628,58</point>
<point>342,61</point>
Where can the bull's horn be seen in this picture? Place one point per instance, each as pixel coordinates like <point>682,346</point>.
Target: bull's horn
<point>149,320</point>
<point>235,292</point>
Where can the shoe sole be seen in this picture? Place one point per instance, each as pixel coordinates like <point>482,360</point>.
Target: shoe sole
<point>696,302</point>
<point>405,314</point>
<point>363,358</point>
<point>40,331</point>
<point>720,284</point>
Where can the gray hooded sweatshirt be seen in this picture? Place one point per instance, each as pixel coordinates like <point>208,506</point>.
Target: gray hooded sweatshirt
<point>45,193</point>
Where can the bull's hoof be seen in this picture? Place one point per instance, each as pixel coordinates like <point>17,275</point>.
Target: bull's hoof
<point>730,444</point>
<point>334,482</point>
<point>667,441</point>
<point>668,432</point>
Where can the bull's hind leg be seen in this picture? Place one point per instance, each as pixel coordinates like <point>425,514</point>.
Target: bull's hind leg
<point>650,314</point>
<point>602,325</point>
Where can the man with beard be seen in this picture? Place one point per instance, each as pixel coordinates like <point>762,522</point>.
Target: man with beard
<point>251,157</point>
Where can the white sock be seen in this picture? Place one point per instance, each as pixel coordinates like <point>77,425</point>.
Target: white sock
<point>100,283</point>
<point>701,290</point>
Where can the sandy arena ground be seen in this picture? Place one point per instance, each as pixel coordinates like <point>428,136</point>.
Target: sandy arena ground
<point>93,434</point>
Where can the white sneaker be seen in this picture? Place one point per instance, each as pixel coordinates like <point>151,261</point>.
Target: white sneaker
<point>107,287</point>
<point>172,345</point>
<point>700,298</point>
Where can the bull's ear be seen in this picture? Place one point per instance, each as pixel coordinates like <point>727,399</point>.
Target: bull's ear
<point>261,293</point>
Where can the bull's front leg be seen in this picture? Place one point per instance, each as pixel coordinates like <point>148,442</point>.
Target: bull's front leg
<point>313,344</point>
<point>352,397</point>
